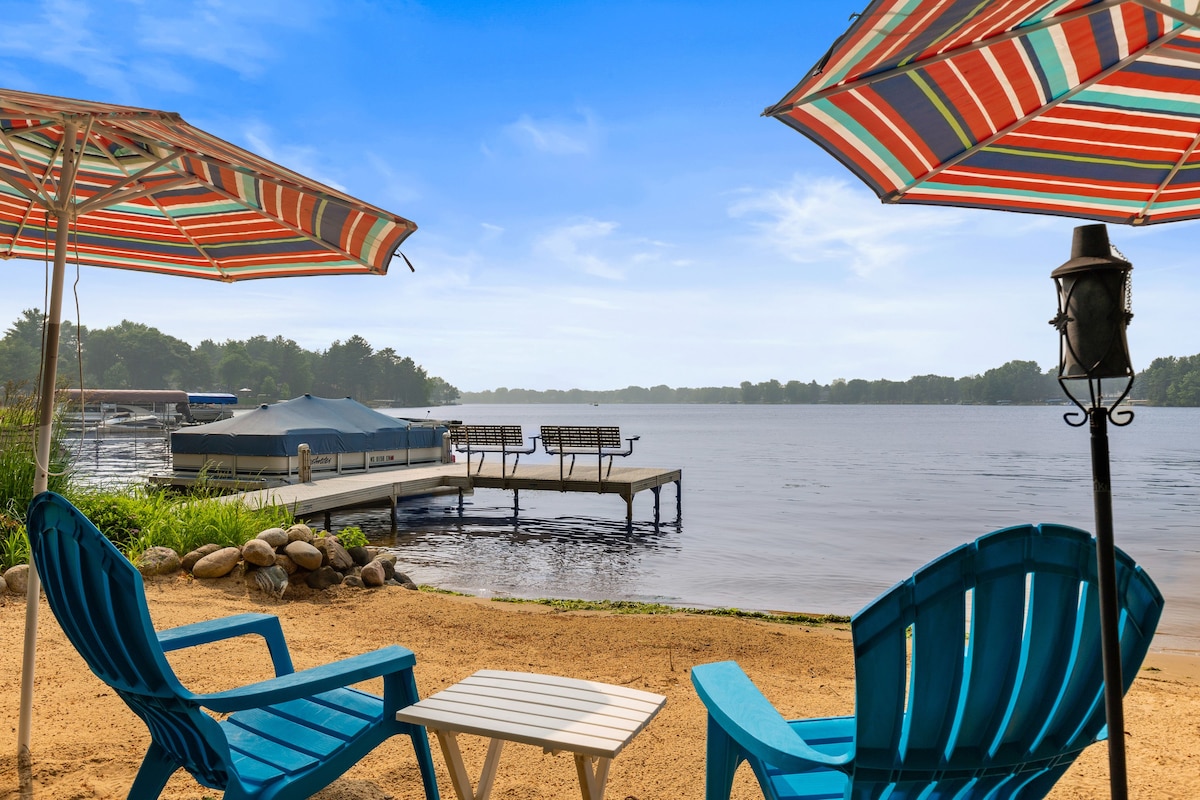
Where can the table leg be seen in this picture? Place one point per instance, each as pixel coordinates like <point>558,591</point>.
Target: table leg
<point>592,780</point>
<point>459,777</point>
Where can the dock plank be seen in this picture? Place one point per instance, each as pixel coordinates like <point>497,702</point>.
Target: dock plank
<point>379,486</point>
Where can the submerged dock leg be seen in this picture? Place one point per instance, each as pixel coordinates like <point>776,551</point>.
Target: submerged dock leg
<point>460,502</point>
<point>657,491</point>
<point>393,499</point>
<point>328,521</point>
<point>516,502</point>
<point>629,507</point>
<point>679,499</point>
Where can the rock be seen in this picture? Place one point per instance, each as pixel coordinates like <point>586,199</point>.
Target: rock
<point>17,578</point>
<point>405,581</point>
<point>304,554</point>
<point>300,533</point>
<point>389,567</point>
<point>385,555</point>
<point>189,561</point>
<point>3,585</point>
<point>286,564</point>
<point>353,580</point>
<point>258,552</point>
<point>339,558</point>
<point>159,561</point>
<point>372,574</point>
<point>323,578</point>
<point>273,580</point>
<point>276,537</point>
<point>218,564</point>
<point>360,555</point>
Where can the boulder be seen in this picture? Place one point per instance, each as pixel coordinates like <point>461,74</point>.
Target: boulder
<point>389,567</point>
<point>258,552</point>
<point>372,574</point>
<point>338,557</point>
<point>276,537</point>
<point>360,555</point>
<point>17,578</point>
<point>385,555</point>
<point>3,585</point>
<point>218,564</point>
<point>159,561</point>
<point>323,578</point>
<point>286,564</point>
<point>300,533</point>
<point>405,581</point>
<point>273,580</point>
<point>304,554</point>
<point>353,580</point>
<point>189,561</point>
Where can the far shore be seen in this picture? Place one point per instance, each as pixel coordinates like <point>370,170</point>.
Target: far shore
<point>87,745</point>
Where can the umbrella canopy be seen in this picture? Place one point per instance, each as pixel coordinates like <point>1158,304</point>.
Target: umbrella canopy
<point>1087,108</point>
<point>138,189</point>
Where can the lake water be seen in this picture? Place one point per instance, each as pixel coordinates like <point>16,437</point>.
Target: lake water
<point>792,508</point>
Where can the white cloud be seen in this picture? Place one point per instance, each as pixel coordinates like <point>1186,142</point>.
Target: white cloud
<point>305,160</point>
<point>556,137</point>
<point>827,222</point>
<point>576,245</point>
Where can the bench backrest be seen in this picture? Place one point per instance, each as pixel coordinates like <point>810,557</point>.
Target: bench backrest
<point>581,438</point>
<point>499,436</point>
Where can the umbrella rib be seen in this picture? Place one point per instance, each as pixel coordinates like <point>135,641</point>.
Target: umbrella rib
<point>1015,33</point>
<point>36,196</point>
<point>113,195</point>
<point>183,179</point>
<point>895,194</point>
<point>1167,11</point>
<point>1143,215</point>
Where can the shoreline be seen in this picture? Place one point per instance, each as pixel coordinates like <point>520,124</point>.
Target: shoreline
<point>87,745</point>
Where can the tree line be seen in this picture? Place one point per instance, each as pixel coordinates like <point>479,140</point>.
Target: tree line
<point>135,356</point>
<point>1168,381</point>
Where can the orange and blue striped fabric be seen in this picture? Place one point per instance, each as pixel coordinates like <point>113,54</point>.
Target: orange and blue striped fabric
<point>153,193</point>
<point>1086,108</point>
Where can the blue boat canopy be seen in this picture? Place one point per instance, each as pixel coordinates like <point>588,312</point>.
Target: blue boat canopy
<point>212,398</point>
<point>325,425</point>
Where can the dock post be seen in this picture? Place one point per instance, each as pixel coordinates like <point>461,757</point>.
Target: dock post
<point>629,507</point>
<point>657,491</point>
<point>679,499</point>
<point>460,501</point>
<point>516,502</point>
<point>393,503</point>
<point>328,520</point>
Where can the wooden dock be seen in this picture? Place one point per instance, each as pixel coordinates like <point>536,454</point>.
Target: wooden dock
<point>382,488</point>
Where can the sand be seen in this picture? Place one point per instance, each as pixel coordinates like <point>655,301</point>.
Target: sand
<point>87,744</point>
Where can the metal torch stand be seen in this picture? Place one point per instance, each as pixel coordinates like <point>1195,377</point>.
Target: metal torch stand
<point>1106,573</point>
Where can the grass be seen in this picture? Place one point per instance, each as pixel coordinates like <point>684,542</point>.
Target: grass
<point>18,437</point>
<point>633,607</point>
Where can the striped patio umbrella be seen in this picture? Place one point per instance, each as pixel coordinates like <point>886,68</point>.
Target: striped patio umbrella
<point>116,186</point>
<point>1082,108</point>
<point>1085,108</point>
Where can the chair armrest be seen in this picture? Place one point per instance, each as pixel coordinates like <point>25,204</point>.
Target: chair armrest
<point>265,625</point>
<point>383,662</point>
<point>741,710</point>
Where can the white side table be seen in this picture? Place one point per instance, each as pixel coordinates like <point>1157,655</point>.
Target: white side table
<point>592,720</point>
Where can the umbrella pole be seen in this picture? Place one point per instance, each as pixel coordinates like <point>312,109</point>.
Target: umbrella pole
<point>1106,577</point>
<point>41,480</point>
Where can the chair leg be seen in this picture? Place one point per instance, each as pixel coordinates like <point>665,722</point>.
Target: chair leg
<point>157,768</point>
<point>420,740</point>
<point>722,761</point>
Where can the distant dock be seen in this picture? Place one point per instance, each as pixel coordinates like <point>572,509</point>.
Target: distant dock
<point>382,488</point>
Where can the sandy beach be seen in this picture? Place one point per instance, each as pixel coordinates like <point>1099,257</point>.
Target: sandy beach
<point>87,744</point>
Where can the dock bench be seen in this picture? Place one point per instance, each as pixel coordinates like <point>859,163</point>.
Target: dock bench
<point>483,439</point>
<point>573,440</point>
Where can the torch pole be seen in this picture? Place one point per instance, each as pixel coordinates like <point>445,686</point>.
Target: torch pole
<point>1106,573</point>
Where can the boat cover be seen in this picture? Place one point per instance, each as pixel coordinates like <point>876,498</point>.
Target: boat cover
<point>213,398</point>
<point>325,425</point>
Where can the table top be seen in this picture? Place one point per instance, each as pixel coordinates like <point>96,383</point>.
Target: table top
<point>589,717</point>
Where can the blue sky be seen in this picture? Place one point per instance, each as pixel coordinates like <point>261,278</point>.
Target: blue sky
<point>599,201</point>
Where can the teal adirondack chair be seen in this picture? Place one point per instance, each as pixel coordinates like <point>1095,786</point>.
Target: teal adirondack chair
<point>978,678</point>
<point>287,737</point>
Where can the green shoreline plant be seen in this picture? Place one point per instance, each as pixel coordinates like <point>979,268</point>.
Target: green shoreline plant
<point>635,607</point>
